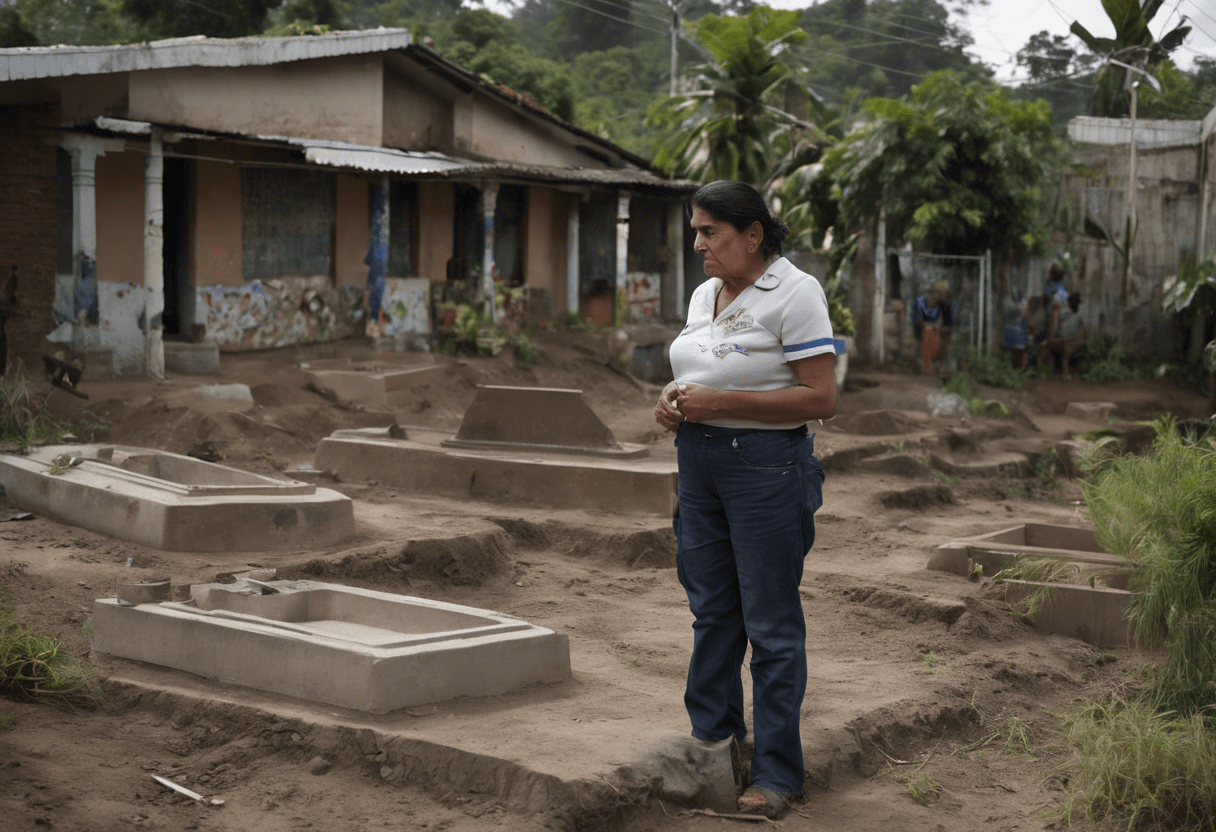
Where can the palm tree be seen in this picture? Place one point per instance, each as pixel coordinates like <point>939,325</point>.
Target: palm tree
<point>1133,44</point>
<point>733,128</point>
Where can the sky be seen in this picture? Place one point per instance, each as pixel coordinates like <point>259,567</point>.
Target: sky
<point>1002,27</point>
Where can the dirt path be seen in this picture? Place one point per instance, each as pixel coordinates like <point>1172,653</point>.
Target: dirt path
<point>908,667</point>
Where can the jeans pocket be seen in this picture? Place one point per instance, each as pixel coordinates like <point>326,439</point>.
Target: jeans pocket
<point>766,450</point>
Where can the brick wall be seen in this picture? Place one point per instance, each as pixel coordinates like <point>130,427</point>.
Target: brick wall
<point>28,223</point>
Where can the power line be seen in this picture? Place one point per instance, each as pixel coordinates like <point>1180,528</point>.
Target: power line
<point>1200,9</point>
<point>585,8</point>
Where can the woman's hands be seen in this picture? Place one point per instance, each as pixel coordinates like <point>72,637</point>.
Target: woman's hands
<point>683,402</point>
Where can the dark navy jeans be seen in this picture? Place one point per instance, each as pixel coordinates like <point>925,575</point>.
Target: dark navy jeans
<point>746,521</point>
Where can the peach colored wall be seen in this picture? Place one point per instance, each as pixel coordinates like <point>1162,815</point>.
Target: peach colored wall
<point>436,212</point>
<point>120,217</point>
<point>546,243</point>
<point>327,98</point>
<point>492,131</point>
<point>414,117</point>
<point>353,232</point>
<point>215,238</point>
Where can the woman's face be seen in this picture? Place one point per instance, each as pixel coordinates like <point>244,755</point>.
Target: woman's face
<point>730,254</point>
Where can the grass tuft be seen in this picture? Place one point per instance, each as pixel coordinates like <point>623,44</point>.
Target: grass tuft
<point>1154,770</point>
<point>921,787</point>
<point>34,666</point>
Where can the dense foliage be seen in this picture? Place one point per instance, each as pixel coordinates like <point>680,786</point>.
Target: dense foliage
<point>958,167</point>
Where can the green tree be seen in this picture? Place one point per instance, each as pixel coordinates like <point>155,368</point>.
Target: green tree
<point>727,129</point>
<point>613,90</point>
<point>958,167</point>
<point>879,48</point>
<point>93,22</point>
<point>1132,44</point>
<point>1183,95</point>
<point>13,30</point>
<point>182,18</point>
<point>1058,73</point>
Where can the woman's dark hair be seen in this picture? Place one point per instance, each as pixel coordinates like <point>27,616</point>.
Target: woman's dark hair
<point>739,204</point>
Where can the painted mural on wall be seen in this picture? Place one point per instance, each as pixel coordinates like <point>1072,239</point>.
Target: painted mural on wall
<point>404,310</point>
<point>281,312</point>
<point>644,295</point>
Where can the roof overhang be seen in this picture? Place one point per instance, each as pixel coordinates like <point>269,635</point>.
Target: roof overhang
<point>408,164</point>
<point>61,61</point>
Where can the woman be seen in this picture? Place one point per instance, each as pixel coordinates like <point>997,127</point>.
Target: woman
<point>753,365</point>
<point>934,320</point>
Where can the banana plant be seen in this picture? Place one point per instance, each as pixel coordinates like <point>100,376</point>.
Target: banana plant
<point>1133,44</point>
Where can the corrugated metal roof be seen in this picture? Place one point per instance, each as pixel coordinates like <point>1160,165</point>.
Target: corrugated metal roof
<point>61,61</point>
<point>1149,132</point>
<point>429,165</point>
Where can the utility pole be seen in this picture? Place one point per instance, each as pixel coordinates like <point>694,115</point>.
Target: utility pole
<point>1129,244</point>
<point>675,29</point>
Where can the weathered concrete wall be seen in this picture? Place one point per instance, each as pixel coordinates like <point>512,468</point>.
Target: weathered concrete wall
<point>328,98</point>
<point>352,234</point>
<point>215,225</point>
<point>1168,206</point>
<point>435,218</point>
<point>28,222</point>
<point>484,129</point>
<point>120,217</point>
<point>279,313</point>
<point>545,245</point>
<point>414,117</point>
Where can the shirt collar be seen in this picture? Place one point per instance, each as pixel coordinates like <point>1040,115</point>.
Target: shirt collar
<point>772,278</point>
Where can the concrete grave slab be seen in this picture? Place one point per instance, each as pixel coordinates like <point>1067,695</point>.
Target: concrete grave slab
<point>1098,412</point>
<point>169,501</point>
<point>191,358</point>
<point>375,382</point>
<point>354,648</point>
<point>999,549</point>
<point>1092,612</point>
<point>537,418</point>
<point>560,480</point>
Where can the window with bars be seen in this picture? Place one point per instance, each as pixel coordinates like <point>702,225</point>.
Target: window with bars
<point>288,222</point>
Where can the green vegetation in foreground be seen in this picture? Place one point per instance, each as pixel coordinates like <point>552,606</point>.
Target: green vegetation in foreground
<point>25,419</point>
<point>34,666</point>
<point>1153,769</point>
<point>962,384</point>
<point>1150,762</point>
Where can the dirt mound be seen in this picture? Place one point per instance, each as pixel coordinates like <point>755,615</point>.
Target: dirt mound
<point>900,465</point>
<point>907,604</point>
<point>879,423</point>
<point>467,560</point>
<point>922,496</point>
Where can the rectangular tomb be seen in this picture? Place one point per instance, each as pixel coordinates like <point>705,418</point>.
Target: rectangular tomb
<point>375,383</point>
<point>558,480</point>
<point>355,648</point>
<point>174,502</point>
<point>997,550</point>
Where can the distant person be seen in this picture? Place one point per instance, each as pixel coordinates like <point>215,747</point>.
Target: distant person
<point>932,321</point>
<point>1014,330</point>
<point>1055,282</point>
<point>1036,325</point>
<point>1065,332</point>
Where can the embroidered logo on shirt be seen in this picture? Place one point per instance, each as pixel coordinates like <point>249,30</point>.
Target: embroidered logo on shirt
<point>739,320</point>
<point>725,349</point>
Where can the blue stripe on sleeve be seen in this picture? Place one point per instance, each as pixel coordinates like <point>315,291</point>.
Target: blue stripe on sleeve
<point>806,345</point>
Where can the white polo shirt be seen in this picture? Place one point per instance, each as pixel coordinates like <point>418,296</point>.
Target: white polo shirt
<point>781,317</point>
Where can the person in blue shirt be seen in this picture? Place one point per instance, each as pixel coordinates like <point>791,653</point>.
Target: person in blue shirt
<point>932,321</point>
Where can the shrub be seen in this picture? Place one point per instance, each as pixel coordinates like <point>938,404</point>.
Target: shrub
<point>962,384</point>
<point>1158,512</point>
<point>992,368</point>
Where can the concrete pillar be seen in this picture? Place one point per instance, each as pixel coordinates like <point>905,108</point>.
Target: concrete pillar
<point>377,248</point>
<point>572,255</point>
<point>622,258</point>
<point>84,239</point>
<point>673,281</point>
<point>489,200</point>
<point>154,257</point>
<point>877,333</point>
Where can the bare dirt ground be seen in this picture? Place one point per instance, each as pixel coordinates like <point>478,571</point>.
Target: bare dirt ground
<point>916,677</point>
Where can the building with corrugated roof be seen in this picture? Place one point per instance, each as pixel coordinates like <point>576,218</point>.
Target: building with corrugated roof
<point>267,192</point>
